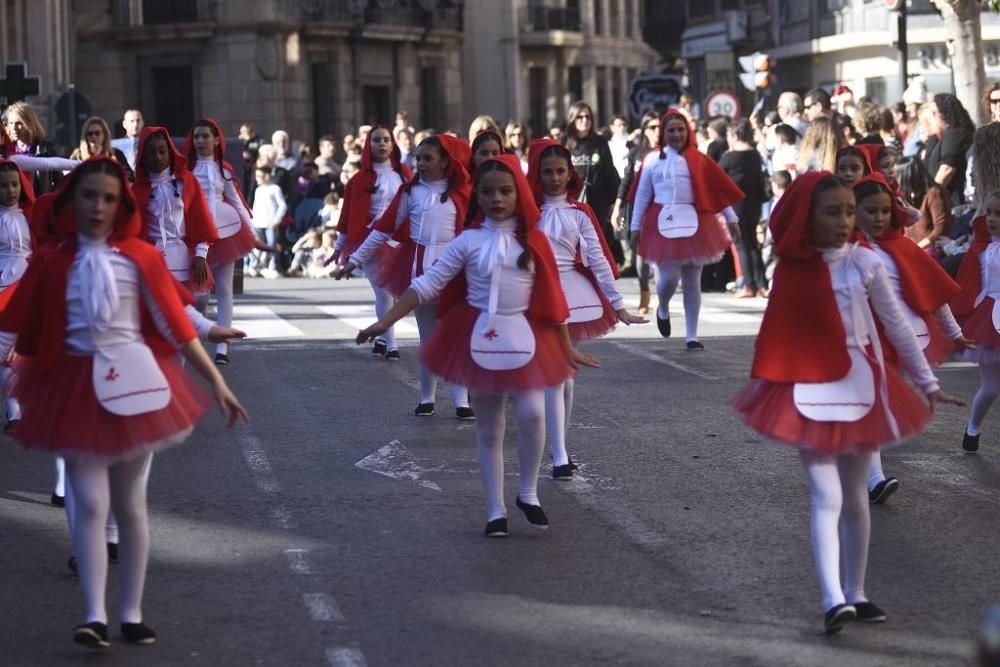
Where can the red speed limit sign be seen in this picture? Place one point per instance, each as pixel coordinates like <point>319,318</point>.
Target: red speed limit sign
<point>723,103</point>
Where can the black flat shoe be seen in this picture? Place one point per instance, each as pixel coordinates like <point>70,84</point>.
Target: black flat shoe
<point>58,501</point>
<point>465,414</point>
<point>221,359</point>
<point>138,633</point>
<point>883,490</point>
<point>839,616</point>
<point>970,443</point>
<point>694,345</point>
<point>92,635</point>
<point>424,410</point>
<point>72,564</point>
<point>392,355</point>
<point>663,325</point>
<point>379,348</point>
<point>112,552</point>
<point>10,425</point>
<point>869,613</point>
<point>536,517</point>
<point>497,528</point>
<point>562,473</point>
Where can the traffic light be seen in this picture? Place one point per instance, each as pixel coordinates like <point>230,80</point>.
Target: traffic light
<point>757,72</point>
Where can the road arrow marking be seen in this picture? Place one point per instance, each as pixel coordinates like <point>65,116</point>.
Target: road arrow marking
<point>395,460</point>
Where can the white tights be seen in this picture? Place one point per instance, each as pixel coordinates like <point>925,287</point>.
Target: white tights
<point>13,407</point>
<point>426,316</point>
<point>383,302</point>
<point>529,411</point>
<point>223,274</point>
<point>558,407</point>
<point>989,388</point>
<point>876,474</point>
<point>96,487</point>
<point>837,489</point>
<point>668,275</point>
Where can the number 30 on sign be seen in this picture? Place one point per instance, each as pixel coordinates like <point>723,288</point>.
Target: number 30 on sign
<point>723,103</point>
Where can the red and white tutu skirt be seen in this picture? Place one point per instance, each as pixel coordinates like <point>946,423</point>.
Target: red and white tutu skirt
<point>7,294</point>
<point>580,332</point>
<point>396,268</point>
<point>60,412</point>
<point>979,327</point>
<point>232,248</point>
<point>447,354</point>
<point>769,409</point>
<point>706,246</point>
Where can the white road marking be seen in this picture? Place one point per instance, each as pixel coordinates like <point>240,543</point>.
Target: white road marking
<point>322,608</point>
<point>359,316</point>
<point>262,322</point>
<point>346,656</point>
<point>645,354</point>
<point>253,452</point>
<point>623,518</point>
<point>297,561</point>
<point>395,460</point>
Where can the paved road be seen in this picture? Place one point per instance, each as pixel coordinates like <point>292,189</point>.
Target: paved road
<point>337,529</point>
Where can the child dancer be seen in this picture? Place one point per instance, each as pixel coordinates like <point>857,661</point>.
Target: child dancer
<point>366,197</point>
<point>853,163</point>
<point>975,305</point>
<point>97,325</point>
<point>674,223</point>
<point>502,330</point>
<point>426,214</point>
<point>175,217</point>
<point>205,149</point>
<point>921,286</point>
<point>587,274</point>
<point>820,382</point>
<point>487,144</point>
<point>16,200</point>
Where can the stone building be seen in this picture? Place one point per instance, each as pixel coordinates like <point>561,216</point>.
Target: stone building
<point>531,59</point>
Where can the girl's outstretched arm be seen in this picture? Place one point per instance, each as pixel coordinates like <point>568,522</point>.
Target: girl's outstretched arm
<point>404,305</point>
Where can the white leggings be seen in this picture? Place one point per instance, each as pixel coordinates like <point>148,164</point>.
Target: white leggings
<point>838,490</point>
<point>558,407</point>
<point>13,407</point>
<point>223,274</point>
<point>96,487</point>
<point>426,316</point>
<point>989,388</point>
<point>383,302</point>
<point>529,411</point>
<point>668,274</point>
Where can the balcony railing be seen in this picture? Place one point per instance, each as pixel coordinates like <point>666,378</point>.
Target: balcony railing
<point>539,18</point>
<point>443,14</point>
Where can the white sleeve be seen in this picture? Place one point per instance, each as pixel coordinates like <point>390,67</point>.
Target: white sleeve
<point>403,211</point>
<point>643,195</point>
<point>430,285</point>
<point>32,163</point>
<point>201,250</point>
<point>341,242</point>
<point>201,323</point>
<point>280,206</point>
<point>7,341</point>
<point>363,255</point>
<point>158,318</point>
<point>598,263</point>
<point>899,332</point>
<point>730,215</point>
<point>947,322</point>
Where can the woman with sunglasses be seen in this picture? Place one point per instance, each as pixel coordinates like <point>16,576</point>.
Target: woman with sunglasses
<point>95,139</point>
<point>517,139</point>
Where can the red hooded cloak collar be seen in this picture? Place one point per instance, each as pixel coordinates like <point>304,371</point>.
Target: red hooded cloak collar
<point>191,155</point>
<point>970,277</point>
<point>713,189</point>
<point>354,216</point>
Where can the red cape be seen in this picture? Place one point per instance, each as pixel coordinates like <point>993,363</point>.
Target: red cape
<point>548,303</point>
<point>27,198</point>
<point>970,277</point>
<point>198,225</point>
<point>358,193</point>
<point>802,337</point>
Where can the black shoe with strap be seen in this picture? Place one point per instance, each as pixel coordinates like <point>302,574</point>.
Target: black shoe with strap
<point>221,359</point>
<point>392,355</point>
<point>424,410</point>
<point>869,613</point>
<point>562,473</point>
<point>380,348</point>
<point>92,635</point>
<point>663,324</point>
<point>838,616</point>
<point>497,528</point>
<point>536,517</point>
<point>970,443</point>
<point>138,633</point>
<point>694,345</point>
<point>465,414</point>
<point>883,490</point>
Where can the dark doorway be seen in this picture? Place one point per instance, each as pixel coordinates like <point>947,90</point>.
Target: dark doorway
<point>430,98</point>
<point>173,98</point>
<point>537,101</point>
<point>324,100</point>
<point>376,105</point>
<point>175,11</point>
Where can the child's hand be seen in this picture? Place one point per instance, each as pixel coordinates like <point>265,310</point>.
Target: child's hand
<point>219,334</point>
<point>628,318</point>
<point>734,232</point>
<point>344,271</point>
<point>369,334</point>
<point>199,270</point>
<point>229,404</point>
<point>583,359</point>
<point>963,343</point>
<point>941,397</point>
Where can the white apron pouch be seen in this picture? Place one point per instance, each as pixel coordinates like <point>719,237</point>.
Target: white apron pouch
<point>678,221</point>
<point>996,316</point>
<point>176,255</point>
<point>507,344</point>
<point>128,381</point>
<point>919,326</point>
<point>846,400</point>
<point>584,303</point>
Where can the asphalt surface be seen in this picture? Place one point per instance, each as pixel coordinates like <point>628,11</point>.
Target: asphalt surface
<point>338,529</point>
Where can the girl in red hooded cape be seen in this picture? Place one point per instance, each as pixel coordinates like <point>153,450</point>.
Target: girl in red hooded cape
<point>423,218</point>
<point>366,197</point>
<point>819,380</point>
<point>204,150</point>
<point>97,326</point>
<point>502,329</point>
<point>675,223</point>
<point>174,215</point>
<point>587,274</point>
<point>16,201</point>
<point>880,159</point>
<point>976,307</point>
<point>921,286</point>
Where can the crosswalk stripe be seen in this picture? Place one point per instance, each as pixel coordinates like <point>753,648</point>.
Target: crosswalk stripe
<point>262,322</point>
<point>359,316</point>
